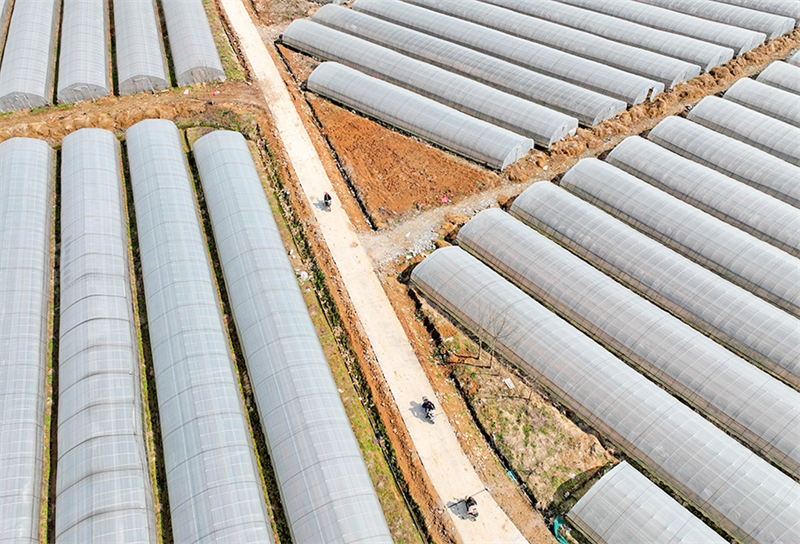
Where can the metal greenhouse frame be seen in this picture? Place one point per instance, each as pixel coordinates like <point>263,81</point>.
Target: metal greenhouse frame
<point>733,158</point>
<point>703,54</point>
<point>139,52</point>
<point>420,116</point>
<point>589,107</point>
<point>607,80</point>
<point>215,490</point>
<point>26,182</point>
<point>782,75</point>
<point>733,486</point>
<point>741,40</point>
<point>651,65</point>
<point>26,72</point>
<point>733,254</point>
<point>543,125</point>
<point>738,319</point>
<point>746,402</point>
<point>103,489</point>
<point>83,72</point>
<point>624,506</point>
<point>769,100</point>
<point>770,24</point>
<point>749,126</point>
<point>194,53</point>
<point>326,490</point>
<point>742,206</point>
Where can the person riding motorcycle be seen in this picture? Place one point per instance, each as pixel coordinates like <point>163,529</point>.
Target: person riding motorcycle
<point>327,200</point>
<point>428,406</point>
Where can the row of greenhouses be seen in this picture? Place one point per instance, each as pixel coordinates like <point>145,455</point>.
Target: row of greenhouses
<point>538,69</point>
<point>103,489</point>
<point>737,489</point>
<point>656,296</point>
<point>84,71</point>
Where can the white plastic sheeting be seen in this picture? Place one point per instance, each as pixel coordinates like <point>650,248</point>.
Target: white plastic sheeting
<point>422,117</point>
<point>742,206</point>
<point>704,54</point>
<point>624,506</point>
<point>749,126</point>
<point>139,54</point>
<point>543,125</point>
<point>5,13</point>
<point>326,490</point>
<point>769,100</point>
<point>589,107</point>
<point>194,54</point>
<point>733,254</point>
<point>738,319</point>
<point>794,60</point>
<point>746,402</point>
<point>215,491</point>
<point>26,172</point>
<point>732,485</point>
<point>782,75</point>
<point>83,71</point>
<point>607,80</point>
<point>770,24</point>
<point>26,71</point>
<point>733,158</point>
<point>666,70</point>
<point>740,40</point>
<point>787,8</point>
<point>103,491</point>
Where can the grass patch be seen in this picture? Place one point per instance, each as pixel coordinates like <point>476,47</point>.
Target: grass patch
<point>230,61</point>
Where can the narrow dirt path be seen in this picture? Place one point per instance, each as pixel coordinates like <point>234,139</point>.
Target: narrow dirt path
<point>448,468</point>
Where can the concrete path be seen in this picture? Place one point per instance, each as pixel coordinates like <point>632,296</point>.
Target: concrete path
<point>447,466</point>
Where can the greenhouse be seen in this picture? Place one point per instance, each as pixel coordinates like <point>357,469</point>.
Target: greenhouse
<point>769,100</point>
<point>103,490</point>
<point>26,177</point>
<point>746,402</point>
<point>651,65</point>
<point>624,506</point>
<point>741,40</point>
<point>212,476</point>
<point>703,54</point>
<point>787,8</point>
<point>794,60</point>
<point>139,54</point>
<point>743,322</point>
<point>740,205</point>
<point>589,107</point>
<point>326,490</point>
<point>607,80</point>
<point>194,53</point>
<point>543,125</point>
<point>751,499</point>
<point>770,24</point>
<point>26,72</point>
<point>751,127</point>
<point>733,254</point>
<point>782,75</point>
<point>83,71</point>
<point>420,116</point>
<point>733,158</point>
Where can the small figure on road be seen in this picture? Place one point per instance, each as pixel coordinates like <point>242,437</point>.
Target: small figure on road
<point>327,200</point>
<point>472,507</point>
<point>429,408</point>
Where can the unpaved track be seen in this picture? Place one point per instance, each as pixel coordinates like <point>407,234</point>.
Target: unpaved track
<point>448,468</point>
